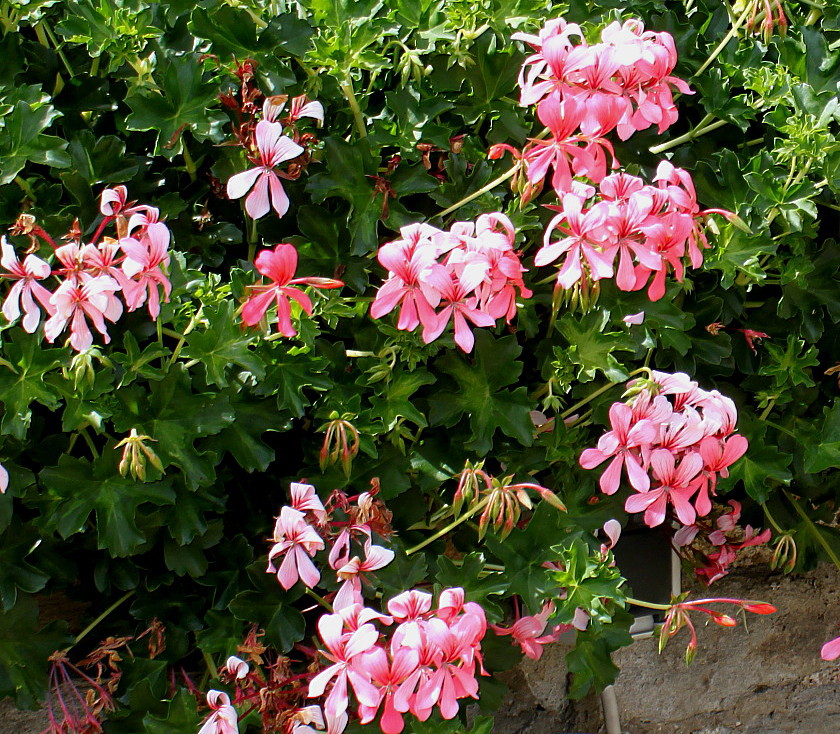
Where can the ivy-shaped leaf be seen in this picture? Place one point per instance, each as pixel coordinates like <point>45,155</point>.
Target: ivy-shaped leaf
<point>24,650</point>
<point>22,381</point>
<point>75,489</point>
<point>182,102</point>
<point>175,418</point>
<point>394,402</point>
<point>22,139</point>
<point>222,344</point>
<point>481,396</point>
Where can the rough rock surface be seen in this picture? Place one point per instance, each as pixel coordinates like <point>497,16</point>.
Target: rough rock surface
<point>764,679</point>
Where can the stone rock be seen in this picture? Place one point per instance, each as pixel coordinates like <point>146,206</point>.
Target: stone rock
<point>762,678</point>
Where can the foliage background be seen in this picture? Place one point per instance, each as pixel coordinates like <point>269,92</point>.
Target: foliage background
<point>101,92</point>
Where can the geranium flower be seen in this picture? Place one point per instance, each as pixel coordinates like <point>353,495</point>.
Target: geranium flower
<point>297,542</point>
<point>223,720</point>
<point>76,302</point>
<point>279,266</point>
<point>143,267</point>
<point>262,182</point>
<point>20,296</point>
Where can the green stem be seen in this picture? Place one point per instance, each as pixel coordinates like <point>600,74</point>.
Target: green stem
<point>189,163</point>
<point>483,190</point>
<point>771,519</point>
<point>26,188</point>
<point>647,604</point>
<point>781,428</point>
<point>767,410</point>
<point>84,633</point>
<point>599,391</point>
<point>182,338</point>
<point>58,48</point>
<point>347,90</point>
<point>320,599</point>
<point>212,668</point>
<point>813,528</point>
<point>454,524</point>
<point>89,441</point>
<point>697,132</point>
<point>253,237</point>
<point>726,39</point>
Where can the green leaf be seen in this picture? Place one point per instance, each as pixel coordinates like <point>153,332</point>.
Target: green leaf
<point>22,139</point>
<point>759,468</point>
<point>222,345</point>
<point>176,417</point>
<point>823,451</point>
<point>467,576</point>
<point>17,543</point>
<point>591,347</point>
<point>182,716</point>
<point>75,489</point>
<point>480,394</point>
<point>283,624</point>
<point>287,377</point>
<point>348,167</point>
<point>788,365</point>
<point>24,650</point>
<point>23,385</point>
<point>184,102</point>
<point>394,402</point>
<point>242,438</point>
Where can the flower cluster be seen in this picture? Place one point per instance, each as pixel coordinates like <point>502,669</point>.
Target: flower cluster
<point>270,142</point>
<point>582,93</point>
<point>429,658</point>
<point>469,273</point>
<point>623,83</point>
<point>672,432</point>
<point>279,266</point>
<point>97,279</point>
<point>649,230</point>
<point>529,631</point>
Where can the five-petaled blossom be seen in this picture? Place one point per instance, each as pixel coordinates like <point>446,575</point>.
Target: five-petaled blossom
<point>279,266</point>
<point>262,184</point>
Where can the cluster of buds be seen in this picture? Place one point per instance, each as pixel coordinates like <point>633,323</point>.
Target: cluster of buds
<point>341,443</point>
<point>270,137</point>
<point>680,434</point>
<point>726,537</point>
<point>501,500</point>
<point>470,273</point>
<point>97,279</point>
<point>135,455</point>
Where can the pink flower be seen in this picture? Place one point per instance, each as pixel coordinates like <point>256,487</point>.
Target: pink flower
<point>621,443</point>
<point>262,182</point>
<point>527,632</point>
<point>223,720</point>
<point>676,486</point>
<point>300,107</point>
<point>581,243</point>
<point>343,649</point>
<point>143,267</point>
<point>407,260</point>
<point>279,266</point>
<point>297,542</point>
<point>112,201</point>
<point>4,479</point>
<point>304,499</point>
<point>831,649</point>
<point>388,678</point>
<point>376,557</point>
<point>236,667</point>
<point>20,296</point>
<point>75,302</point>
